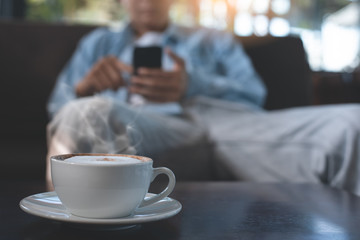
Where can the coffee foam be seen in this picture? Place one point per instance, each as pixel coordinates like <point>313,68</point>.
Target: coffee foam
<point>102,160</point>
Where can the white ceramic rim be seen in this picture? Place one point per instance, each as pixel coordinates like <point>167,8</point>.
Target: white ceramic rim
<point>62,157</point>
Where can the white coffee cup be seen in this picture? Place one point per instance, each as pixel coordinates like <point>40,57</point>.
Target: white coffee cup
<point>106,185</point>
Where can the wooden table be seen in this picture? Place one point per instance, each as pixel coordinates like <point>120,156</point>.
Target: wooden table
<point>211,210</point>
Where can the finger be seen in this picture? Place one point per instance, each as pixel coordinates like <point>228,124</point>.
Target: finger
<point>153,72</point>
<point>94,80</point>
<point>120,66</point>
<point>113,75</point>
<point>109,80</point>
<point>125,67</point>
<point>100,81</point>
<point>152,94</point>
<point>102,78</point>
<point>92,86</point>
<point>153,82</point>
<point>179,62</point>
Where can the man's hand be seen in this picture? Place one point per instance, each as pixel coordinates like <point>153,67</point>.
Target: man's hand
<point>161,86</point>
<point>105,74</point>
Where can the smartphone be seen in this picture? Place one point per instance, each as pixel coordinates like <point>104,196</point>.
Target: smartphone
<point>149,57</point>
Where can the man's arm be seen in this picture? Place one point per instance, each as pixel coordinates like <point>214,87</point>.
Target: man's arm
<point>90,71</point>
<point>233,79</point>
<point>80,62</point>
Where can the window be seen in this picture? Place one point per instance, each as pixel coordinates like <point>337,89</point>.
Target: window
<point>328,28</point>
<point>75,11</point>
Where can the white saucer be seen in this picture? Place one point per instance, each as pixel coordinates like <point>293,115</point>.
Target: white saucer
<point>48,205</point>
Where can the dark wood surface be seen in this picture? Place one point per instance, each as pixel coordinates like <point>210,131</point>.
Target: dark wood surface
<point>211,210</point>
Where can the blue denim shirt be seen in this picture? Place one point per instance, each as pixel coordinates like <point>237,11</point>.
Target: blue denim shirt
<point>216,64</point>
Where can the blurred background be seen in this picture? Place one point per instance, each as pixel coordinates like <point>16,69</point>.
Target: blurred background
<point>306,51</point>
<point>329,29</point>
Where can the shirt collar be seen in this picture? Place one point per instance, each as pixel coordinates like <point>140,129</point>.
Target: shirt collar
<point>171,33</point>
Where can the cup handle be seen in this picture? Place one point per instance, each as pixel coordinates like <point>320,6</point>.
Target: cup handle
<point>166,191</point>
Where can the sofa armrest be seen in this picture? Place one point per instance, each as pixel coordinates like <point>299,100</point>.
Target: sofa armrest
<point>282,64</point>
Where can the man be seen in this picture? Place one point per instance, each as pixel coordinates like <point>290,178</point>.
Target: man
<point>206,92</point>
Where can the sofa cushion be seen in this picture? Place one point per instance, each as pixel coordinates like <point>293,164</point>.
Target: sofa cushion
<point>282,64</point>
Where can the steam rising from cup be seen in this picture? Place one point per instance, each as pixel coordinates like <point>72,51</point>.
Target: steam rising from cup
<point>88,125</point>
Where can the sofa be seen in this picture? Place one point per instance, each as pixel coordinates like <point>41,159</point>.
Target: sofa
<point>33,54</point>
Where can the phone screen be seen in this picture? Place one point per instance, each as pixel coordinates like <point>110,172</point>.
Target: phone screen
<point>149,57</point>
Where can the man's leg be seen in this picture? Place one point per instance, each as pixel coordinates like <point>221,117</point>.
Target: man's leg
<point>309,144</point>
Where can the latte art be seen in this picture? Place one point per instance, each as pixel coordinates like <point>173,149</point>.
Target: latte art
<point>102,160</point>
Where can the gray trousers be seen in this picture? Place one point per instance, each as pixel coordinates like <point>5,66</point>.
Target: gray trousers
<point>219,140</point>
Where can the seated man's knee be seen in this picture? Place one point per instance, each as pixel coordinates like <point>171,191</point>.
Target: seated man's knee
<point>347,117</point>
<point>352,114</point>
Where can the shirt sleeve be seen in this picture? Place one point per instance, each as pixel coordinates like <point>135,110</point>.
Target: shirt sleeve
<point>233,78</point>
<point>81,61</point>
